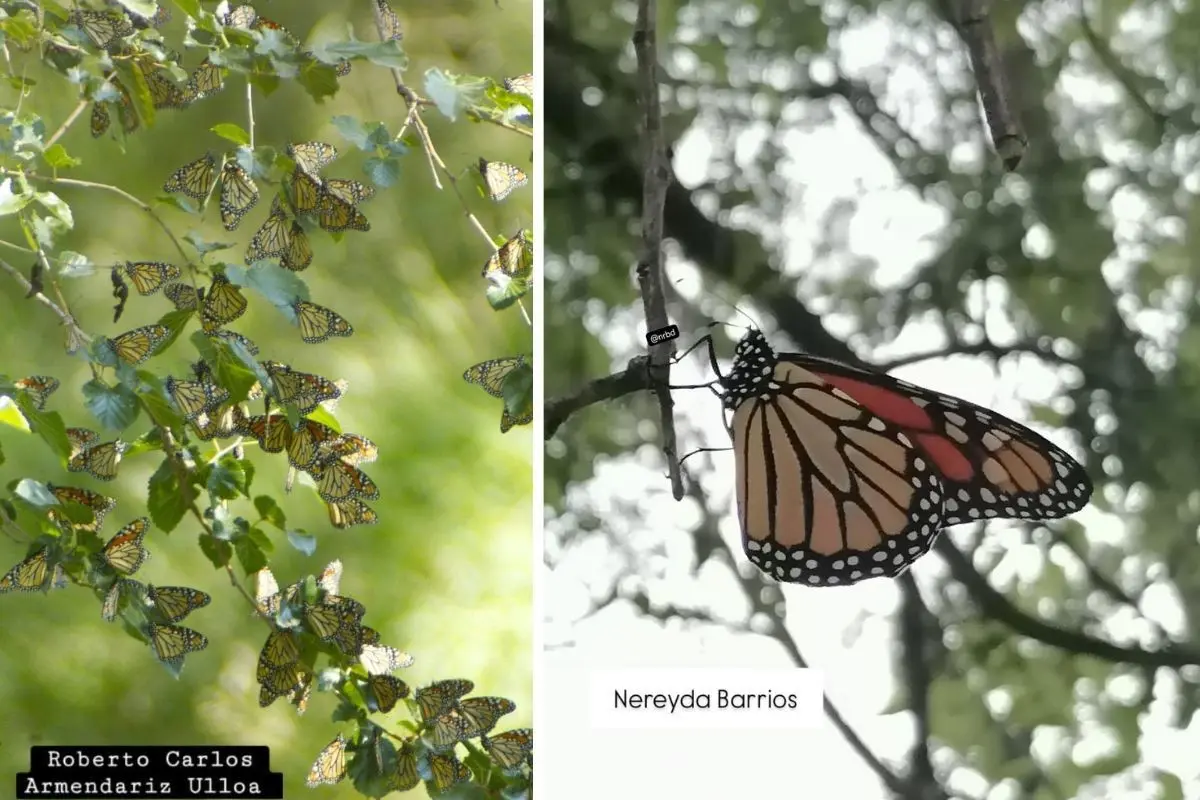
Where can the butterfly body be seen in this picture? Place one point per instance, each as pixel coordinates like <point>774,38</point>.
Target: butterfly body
<point>844,474</point>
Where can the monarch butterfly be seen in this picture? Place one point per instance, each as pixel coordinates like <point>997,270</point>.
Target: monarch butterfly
<point>303,389</point>
<point>482,713</point>
<point>100,120</point>
<point>135,346</point>
<point>102,27</point>
<point>389,29</point>
<point>348,513</point>
<point>81,439</point>
<point>183,296</point>
<point>501,179</point>
<point>349,447</point>
<point>330,579</point>
<point>405,777</point>
<point>163,91</point>
<point>306,191</point>
<point>507,421</point>
<point>293,681</point>
<point>379,659</point>
<point>490,375</point>
<point>172,642</point>
<point>223,303</point>
<point>192,398</point>
<point>206,80</point>
<point>318,323</point>
<point>150,276</point>
<point>29,575</point>
<point>349,191</point>
<point>97,503</point>
<point>39,388</point>
<point>873,467</point>
<point>521,84</point>
<point>510,749</point>
<point>337,481</point>
<point>509,260</point>
<point>112,601</point>
<point>243,16</point>
<point>447,770</point>
<point>312,157</point>
<point>272,431</point>
<point>437,698</point>
<point>370,635</point>
<point>219,424</point>
<point>386,690</point>
<point>125,552</point>
<point>239,194</point>
<point>326,621</point>
<point>235,339</point>
<point>448,729</point>
<point>176,602</point>
<point>280,649</point>
<point>304,441</point>
<point>272,238</point>
<point>98,460</point>
<point>335,214</point>
<point>162,16</point>
<point>330,766</point>
<point>195,179</point>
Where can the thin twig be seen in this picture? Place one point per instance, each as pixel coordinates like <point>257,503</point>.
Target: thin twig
<point>634,378</point>
<point>998,108</point>
<point>66,125</point>
<point>979,349</point>
<point>68,321</point>
<point>656,180</point>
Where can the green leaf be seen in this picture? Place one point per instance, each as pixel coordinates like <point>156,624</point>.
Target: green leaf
<point>502,295</point>
<point>270,511</point>
<point>57,157</point>
<point>55,205</point>
<point>202,246</point>
<point>518,390</point>
<point>35,493</point>
<point>320,81</point>
<point>116,407</point>
<point>11,415</point>
<point>217,551</point>
<point>11,203</point>
<point>383,172</point>
<point>48,425</point>
<point>234,133</point>
<point>280,286</point>
<point>143,8</point>
<point>167,502</point>
<point>227,479</point>
<point>249,554</point>
<point>440,88</point>
<point>386,54</point>
<point>353,131</point>
<point>304,542</point>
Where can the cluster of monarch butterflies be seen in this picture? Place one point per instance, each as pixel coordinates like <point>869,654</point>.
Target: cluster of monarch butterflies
<point>491,376</point>
<point>285,667</point>
<point>153,610</point>
<point>845,474</point>
<point>447,719</point>
<point>501,179</point>
<point>111,30</point>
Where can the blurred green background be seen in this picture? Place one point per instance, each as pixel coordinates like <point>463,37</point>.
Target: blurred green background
<point>446,575</point>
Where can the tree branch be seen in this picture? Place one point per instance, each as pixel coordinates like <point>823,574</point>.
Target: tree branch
<point>634,378</point>
<point>656,179</point>
<point>995,605</point>
<point>981,349</point>
<point>1007,135</point>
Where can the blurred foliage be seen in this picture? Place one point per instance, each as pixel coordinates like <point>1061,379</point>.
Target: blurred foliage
<point>145,163</point>
<point>1087,255</point>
